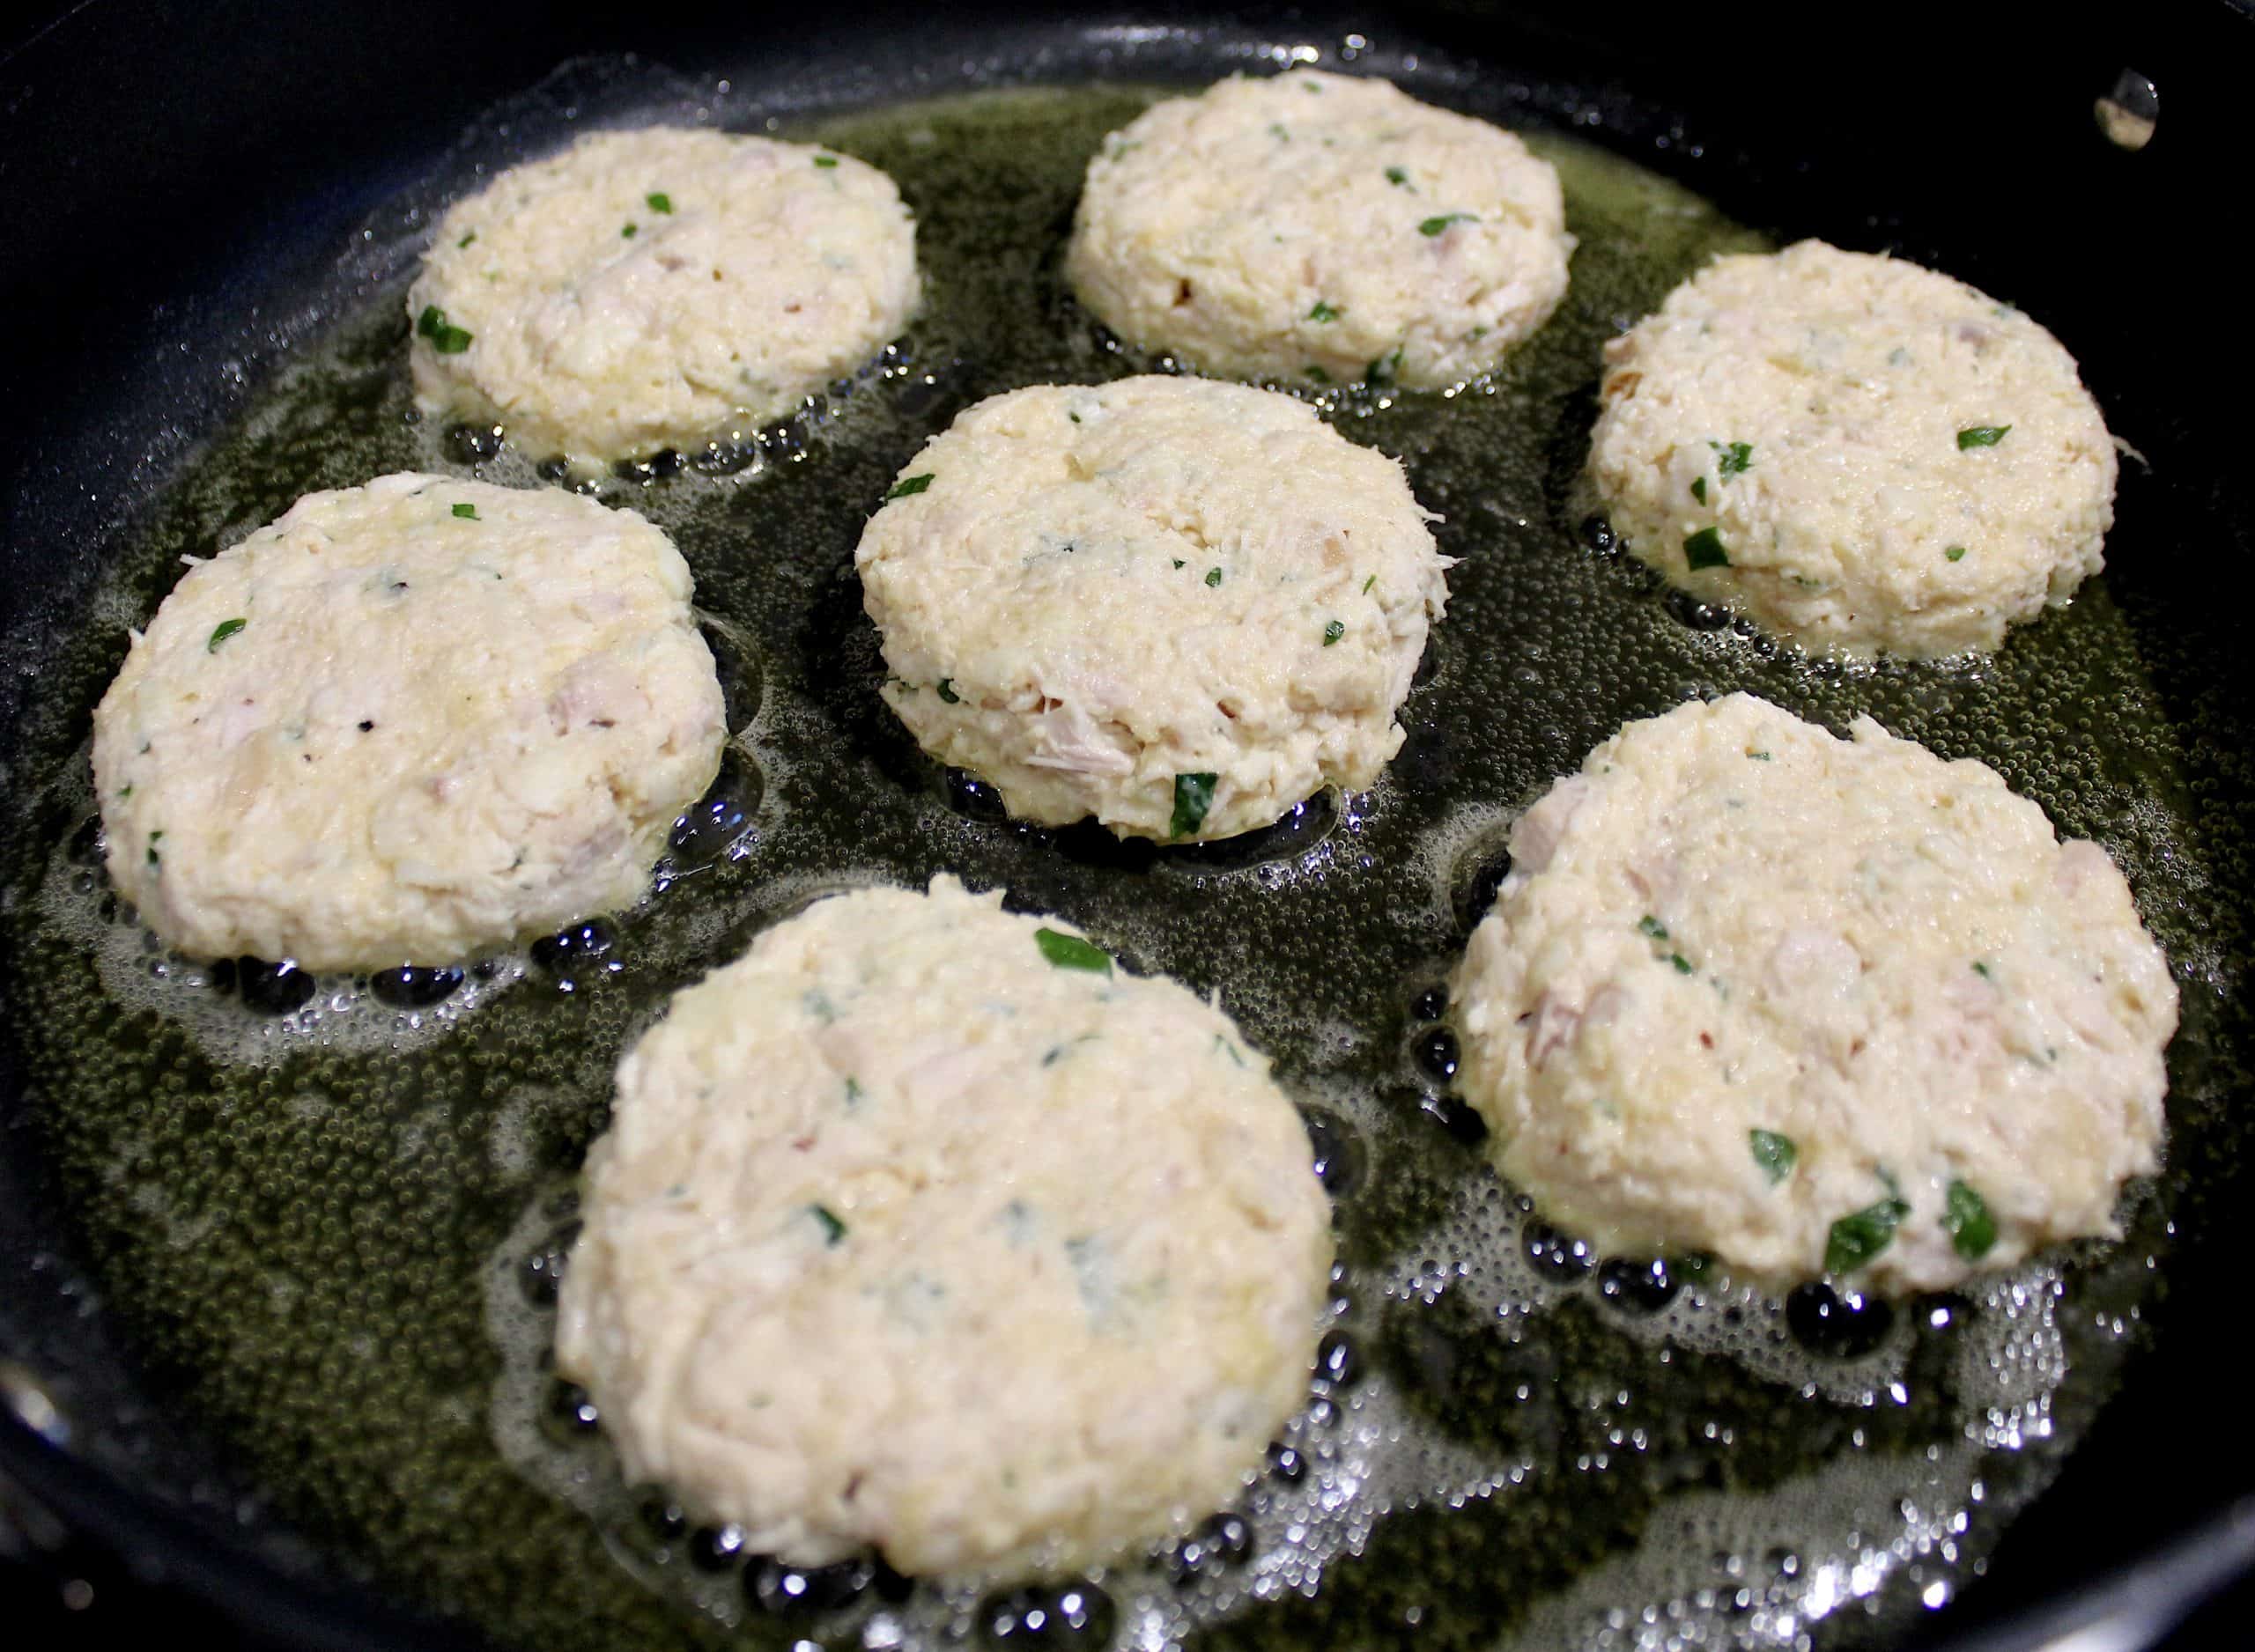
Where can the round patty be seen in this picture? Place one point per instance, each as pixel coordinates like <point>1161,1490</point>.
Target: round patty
<point>1319,227</point>
<point>1180,606</point>
<point>1856,453</point>
<point>407,723</point>
<point>923,1226</point>
<point>1811,1005</point>
<point>658,289</point>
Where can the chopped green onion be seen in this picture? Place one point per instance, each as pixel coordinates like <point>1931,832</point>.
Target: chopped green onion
<point>1774,1152</point>
<point>466,511</point>
<point>153,836</point>
<point>1699,488</point>
<point>833,1230</point>
<point>1333,631</point>
<point>1734,459</point>
<point>1955,553</point>
<point>1070,951</point>
<point>948,695</point>
<point>1650,928</point>
<point>1965,1218</point>
<point>1368,583</point>
<point>1193,795</point>
<point>825,160</point>
<point>1395,175</point>
<point>1982,969</point>
<point>466,240</point>
<point>659,201</point>
<point>220,632</point>
<point>1704,549</point>
<point>1435,225</point>
<point>1213,576</point>
<point>1859,1236</point>
<point>909,486</point>
<point>1981,436</point>
<point>446,338</point>
<point>1683,964</point>
<point>1322,312</point>
<point>626,235</point>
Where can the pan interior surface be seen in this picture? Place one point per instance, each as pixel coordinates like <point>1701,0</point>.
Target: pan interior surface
<point>328,1225</point>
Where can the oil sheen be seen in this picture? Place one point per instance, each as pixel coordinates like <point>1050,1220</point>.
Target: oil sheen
<point>329,1213</point>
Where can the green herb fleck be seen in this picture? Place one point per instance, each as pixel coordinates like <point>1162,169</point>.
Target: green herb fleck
<point>446,338</point>
<point>1704,549</point>
<point>1178,562</point>
<point>1333,631</point>
<point>626,235</point>
<point>1683,964</point>
<point>948,695</point>
<point>833,1230</point>
<point>1323,311</point>
<point>909,486</point>
<point>659,201</point>
<point>466,240</point>
<point>1955,553</point>
<point>853,1092</point>
<point>1193,795</point>
<point>1070,951</point>
<point>1981,436</point>
<point>1859,1236</point>
<point>1650,928</point>
<point>1368,583</point>
<point>1213,576</point>
<point>1222,1042</point>
<point>1774,1152</point>
<point>1394,175</point>
<point>1276,130</point>
<point>466,511</point>
<point>1435,225</point>
<point>825,160</point>
<point>1759,756</point>
<point>220,632</point>
<point>153,836</point>
<point>1734,459</point>
<point>1965,1218</point>
<point>1381,371</point>
<point>1699,488</point>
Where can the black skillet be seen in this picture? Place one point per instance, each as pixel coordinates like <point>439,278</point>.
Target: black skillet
<point>178,186</point>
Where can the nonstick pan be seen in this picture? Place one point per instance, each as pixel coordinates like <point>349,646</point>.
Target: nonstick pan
<point>271,1324</point>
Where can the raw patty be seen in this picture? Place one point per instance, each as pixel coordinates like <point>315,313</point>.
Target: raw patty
<point>916,1229</point>
<point>407,723</point>
<point>658,289</point>
<point>1315,226</point>
<point>1856,453</point>
<point>1812,1005</point>
<point>1180,606</point>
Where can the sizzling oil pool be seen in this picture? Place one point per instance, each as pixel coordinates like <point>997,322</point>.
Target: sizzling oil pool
<point>332,1210</point>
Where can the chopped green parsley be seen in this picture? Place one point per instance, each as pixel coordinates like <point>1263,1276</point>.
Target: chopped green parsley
<point>446,338</point>
<point>1435,225</point>
<point>626,235</point>
<point>1699,488</point>
<point>466,240</point>
<point>1323,311</point>
<point>1650,928</point>
<point>220,632</point>
<point>1704,549</point>
<point>1394,175</point>
<point>1774,1152</point>
<point>1860,1235</point>
<point>1213,576</point>
<point>659,201</point>
<point>909,486</point>
<point>1194,796</point>
<point>1733,459</point>
<point>1333,631</point>
<point>1981,436</point>
<point>1070,951</point>
<point>1965,1218</point>
<point>1955,553</point>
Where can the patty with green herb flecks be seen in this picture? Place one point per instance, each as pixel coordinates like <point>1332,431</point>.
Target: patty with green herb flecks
<point>409,722</point>
<point>659,289</point>
<point>1858,455</point>
<point>1181,606</point>
<point>1320,229</point>
<point>1812,1006</point>
<point>925,1226</point>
